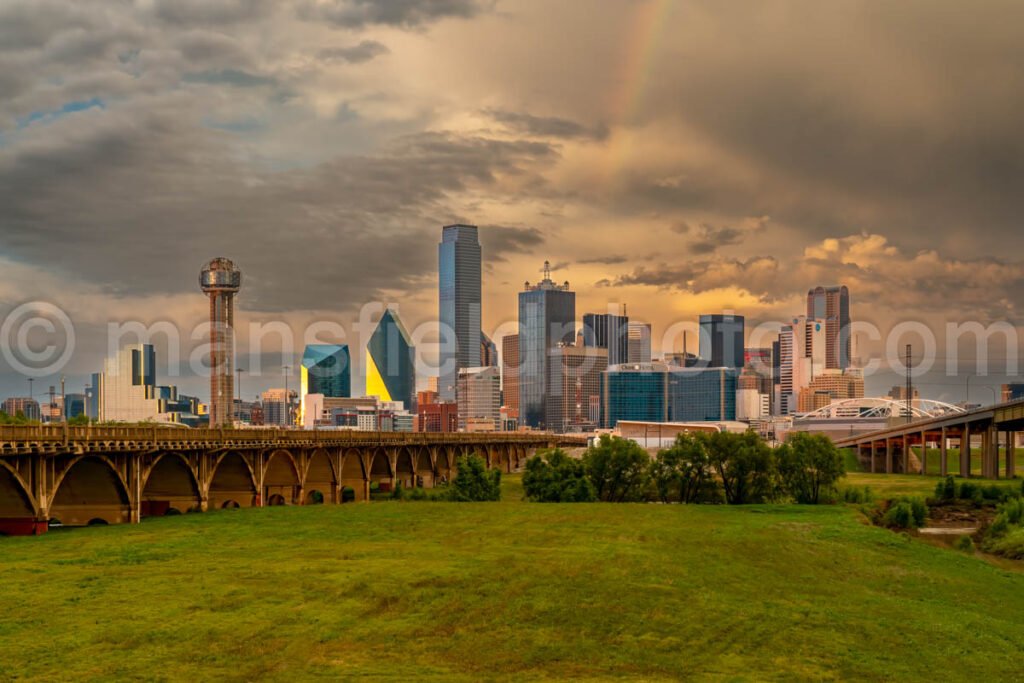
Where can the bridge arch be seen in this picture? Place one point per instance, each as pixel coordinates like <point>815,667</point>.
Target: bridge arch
<point>353,475</point>
<point>405,467</point>
<point>89,490</point>
<point>444,464</point>
<point>232,482</point>
<point>504,459</point>
<point>425,472</point>
<point>15,499</point>
<point>170,485</point>
<point>380,467</point>
<point>281,484</point>
<point>320,479</point>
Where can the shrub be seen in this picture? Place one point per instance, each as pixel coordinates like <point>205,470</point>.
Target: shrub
<point>899,516</point>
<point>398,493</point>
<point>946,490</point>
<point>554,477</point>
<point>993,492</point>
<point>966,490</point>
<point>1010,545</point>
<point>964,544</point>
<point>858,496</point>
<point>1010,514</point>
<point>906,513</point>
<point>418,495</point>
<point>618,469</point>
<point>474,483</point>
<point>920,511</point>
<point>809,466</point>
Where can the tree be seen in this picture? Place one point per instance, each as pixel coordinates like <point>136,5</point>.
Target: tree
<point>746,466</point>
<point>810,465</point>
<point>617,468</point>
<point>683,469</point>
<point>473,483</point>
<point>554,477</point>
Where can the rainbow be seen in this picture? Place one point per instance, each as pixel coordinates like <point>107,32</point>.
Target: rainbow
<point>648,30</point>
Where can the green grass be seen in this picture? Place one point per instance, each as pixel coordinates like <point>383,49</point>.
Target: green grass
<point>507,590</point>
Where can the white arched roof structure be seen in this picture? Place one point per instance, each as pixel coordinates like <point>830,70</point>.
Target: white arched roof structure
<point>881,408</point>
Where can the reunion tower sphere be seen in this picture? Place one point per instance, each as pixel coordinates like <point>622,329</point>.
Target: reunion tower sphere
<point>220,275</point>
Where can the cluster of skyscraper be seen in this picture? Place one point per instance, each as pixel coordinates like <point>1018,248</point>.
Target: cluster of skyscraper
<point>556,377</point>
<point>550,375</point>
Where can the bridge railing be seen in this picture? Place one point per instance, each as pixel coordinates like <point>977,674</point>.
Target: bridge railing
<point>157,434</point>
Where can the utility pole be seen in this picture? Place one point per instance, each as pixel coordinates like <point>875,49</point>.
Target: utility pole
<point>238,389</point>
<point>63,402</point>
<point>910,383</point>
<point>287,397</point>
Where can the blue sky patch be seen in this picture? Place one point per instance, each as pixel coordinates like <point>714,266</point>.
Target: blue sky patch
<point>53,115</point>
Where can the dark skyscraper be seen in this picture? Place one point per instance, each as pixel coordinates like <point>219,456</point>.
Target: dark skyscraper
<point>832,304</point>
<point>459,261</point>
<point>547,315</point>
<point>608,331</point>
<point>721,341</point>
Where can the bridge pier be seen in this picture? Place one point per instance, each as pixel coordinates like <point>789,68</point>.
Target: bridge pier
<point>965,451</point>
<point>1011,455</point>
<point>888,455</point>
<point>944,453</point>
<point>924,453</point>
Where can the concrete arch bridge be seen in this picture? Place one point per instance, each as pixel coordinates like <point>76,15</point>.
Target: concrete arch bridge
<point>110,475</point>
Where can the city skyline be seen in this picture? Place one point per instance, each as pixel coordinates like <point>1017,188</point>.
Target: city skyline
<point>658,165</point>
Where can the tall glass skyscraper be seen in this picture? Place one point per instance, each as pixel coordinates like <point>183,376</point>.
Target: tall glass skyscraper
<point>832,304</point>
<point>547,317</point>
<point>459,264</point>
<point>391,362</point>
<point>721,341</point>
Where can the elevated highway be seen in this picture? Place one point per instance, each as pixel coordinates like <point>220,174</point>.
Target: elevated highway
<point>91,475</point>
<point>891,449</point>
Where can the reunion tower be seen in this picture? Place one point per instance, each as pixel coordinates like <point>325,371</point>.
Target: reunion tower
<point>221,280</point>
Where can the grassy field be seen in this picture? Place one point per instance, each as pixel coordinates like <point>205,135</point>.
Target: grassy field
<point>504,590</point>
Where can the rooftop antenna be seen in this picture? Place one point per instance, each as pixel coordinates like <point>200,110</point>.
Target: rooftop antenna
<point>547,270</point>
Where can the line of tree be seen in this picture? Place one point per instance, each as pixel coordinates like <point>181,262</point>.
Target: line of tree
<point>718,467</point>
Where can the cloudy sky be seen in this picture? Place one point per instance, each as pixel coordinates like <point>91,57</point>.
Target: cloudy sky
<point>677,156</point>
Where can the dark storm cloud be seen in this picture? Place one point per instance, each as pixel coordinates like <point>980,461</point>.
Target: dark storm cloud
<point>164,195</point>
<point>355,54</point>
<point>232,77</point>
<point>211,12</point>
<point>545,126</point>
<point>845,115</point>
<point>401,13</point>
<point>498,241</point>
<point>604,260</point>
